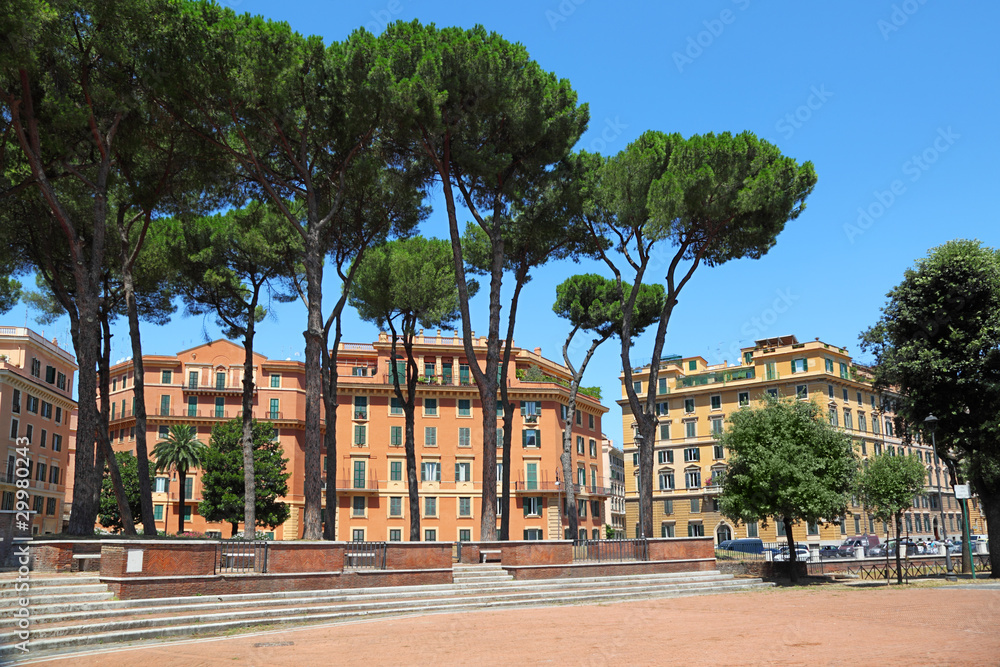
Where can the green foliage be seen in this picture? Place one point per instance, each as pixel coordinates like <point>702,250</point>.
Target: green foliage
<point>109,516</point>
<point>786,461</point>
<point>887,484</point>
<point>180,450</point>
<point>594,303</point>
<point>222,479</point>
<point>535,374</point>
<point>593,392</point>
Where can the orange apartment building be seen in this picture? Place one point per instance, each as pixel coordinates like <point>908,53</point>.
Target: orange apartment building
<point>36,404</point>
<point>693,400</point>
<point>202,386</point>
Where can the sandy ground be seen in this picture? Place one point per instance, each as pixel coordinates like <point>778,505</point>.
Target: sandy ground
<point>817,625</point>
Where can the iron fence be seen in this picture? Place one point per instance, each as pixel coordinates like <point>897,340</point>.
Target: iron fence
<point>611,550</point>
<point>241,556</point>
<point>739,554</point>
<point>876,570</point>
<point>364,555</point>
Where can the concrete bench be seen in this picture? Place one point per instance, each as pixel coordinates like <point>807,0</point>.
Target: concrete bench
<point>237,560</point>
<point>486,555</point>
<point>86,563</point>
<point>85,556</point>
<point>366,557</point>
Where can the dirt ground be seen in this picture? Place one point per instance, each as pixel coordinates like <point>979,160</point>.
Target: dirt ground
<point>817,625</point>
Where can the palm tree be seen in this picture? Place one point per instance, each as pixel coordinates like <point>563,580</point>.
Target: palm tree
<point>182,451</point>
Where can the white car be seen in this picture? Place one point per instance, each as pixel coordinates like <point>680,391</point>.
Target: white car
<point>801,554</point>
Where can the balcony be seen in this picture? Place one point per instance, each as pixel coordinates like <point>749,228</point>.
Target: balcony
<point>530,419</point>
<point>361,415</point>
<point>531,487</point>
<point>358,485</point>
<point>217,389</point>
<point>718,377</point>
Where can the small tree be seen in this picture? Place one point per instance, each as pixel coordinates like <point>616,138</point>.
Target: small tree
<point>886,487</point>
<point>787,462</point>
<point>182,451</point>
<point>128,466</point>
<point>223,479</point>
<point>593,304</point>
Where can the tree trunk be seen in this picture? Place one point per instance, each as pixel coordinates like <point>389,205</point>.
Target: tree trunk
<point>249,476</point>
<point>899,529</point>
<point>139,392</point>
<point>991,510</point>
<point>235,525</point>
<point>330,403</point>
<point>86,476</point>
<point>521,277</point>
<point>182,481</point>
<point>312,487</point>
<point>793,570</point>
<point>128,525</point>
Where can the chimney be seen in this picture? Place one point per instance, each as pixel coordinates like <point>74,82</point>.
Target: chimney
<point>538,351</point>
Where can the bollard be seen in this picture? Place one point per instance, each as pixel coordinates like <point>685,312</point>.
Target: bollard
<point>859,552</point>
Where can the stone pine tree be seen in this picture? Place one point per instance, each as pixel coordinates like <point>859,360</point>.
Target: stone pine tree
<point>937,347</point>
<point>222,477</point>
<point>672,204</point>
<point>545,224</point>
<point>487,122</point>
<point>592,304</point>
<point>887,486</point>
<point>232,266</point>
<point>181,451</point>
<point>786,463</point>
<point>401,285</point>
<point>300,120</point>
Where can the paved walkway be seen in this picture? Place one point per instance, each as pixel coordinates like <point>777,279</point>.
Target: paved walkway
<point>815,625</point>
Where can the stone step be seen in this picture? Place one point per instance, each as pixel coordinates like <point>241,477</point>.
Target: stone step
<point>63,589</point>
<point>43,623</point>
<point>100,634</point>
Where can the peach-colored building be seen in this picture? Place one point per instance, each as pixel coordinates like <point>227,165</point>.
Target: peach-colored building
<point>36,401</point>
<point>202,386</point>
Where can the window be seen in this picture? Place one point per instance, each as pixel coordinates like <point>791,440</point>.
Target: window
<point>430,407</point>
<point>465,507</point>
<point>718,452</point>
<point>875,426</point>
<point>220,407</point>
<point>54,475</point>
<point>359,474</point>
<point>532,506</point>
<point>664,431</point>
<point>395,471</point>
<point>799,365</point>
<point>691,454</point>
<point>716,427</point>
<point>464,436</point>
<point>358,535</point>
<point>463,471</point>
<point>828,364</point>
<point>812,528</point>
<point>396,436</point>
<point>688,405</point>
<point>36,367</point>
<point>843,374</point>
<point>661,385</point>
<point>13,429</point>
<point>464,407</point>
<point>530,476</point>
<point>666,481</point>
<point>581,476</point>
<point>846,399</point>
<point>833,417</point>
<point>358,505</point>
<point>716,402</point>
<point>692,479</point>
<point>46,410</point>
<point>430,471</point>
<point>637,386</point>
<point>192,407</point>
<point>888,426</point>
<point>58,418</point>
<point>579,444</point>
<point>531,438</point>
<point>801,391</point>
<point>668,507</point>
<point>45,435</point>
<point>579,418</point>
<point>395,406</point>
<point>166,377</point>
<point>593,447</point>
<point>862,423</point>
<point>531,409</point>
<point>360,407</point>
<point>590,422</point>
<point>696,530</point>
<point>690,429</point>
<point>163,432</point>
<point>32,404</point>
<point>40,471</point>
<point>662,408</point>
<point>430,506</point>
<point>743,398</point>
<point>532,534</point>
<point>61,380</point>
<point>848,420</point>
<point>16,401</point>
<point>770,371</point>
<point>667,530</point>
<point>29,431</point>
<point>189,488</point>
<point>581,510</point>
<point>860,401</point>
<point>463,374</point>
<point>635,459</point>
<point>752,529</point>
<point>359,434</point>
<point>161,485</point>
<point>164,405</point>
<point>665,456</point>
<point>695,505</point>
<point>430,436</point>
<point>430,535</point>
<point>780,527</point>
<point>158,512</point>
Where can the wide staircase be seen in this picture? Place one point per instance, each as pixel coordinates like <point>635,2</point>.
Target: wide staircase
<point>73,613</point>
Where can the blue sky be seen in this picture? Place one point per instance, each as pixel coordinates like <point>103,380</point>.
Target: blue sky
<point>894,102</point>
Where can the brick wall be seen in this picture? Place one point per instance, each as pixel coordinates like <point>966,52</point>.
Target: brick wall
<point>160,558</point>
<point>287,557</point>
<point>418,555</point>
<point>674,548</point>
<point>568,571</point>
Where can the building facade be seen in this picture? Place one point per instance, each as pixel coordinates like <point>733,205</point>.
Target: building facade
<point>614,480</point>
<point>203,386</point>
<point>693,401</point>
<point>36,402</point>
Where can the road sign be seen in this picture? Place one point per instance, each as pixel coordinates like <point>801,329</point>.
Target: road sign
<point>962,491</point>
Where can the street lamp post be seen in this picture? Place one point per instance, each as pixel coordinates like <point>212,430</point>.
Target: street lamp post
<point>931,422</point>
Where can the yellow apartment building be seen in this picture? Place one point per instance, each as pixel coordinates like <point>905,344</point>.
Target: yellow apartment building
<point>693,400</point>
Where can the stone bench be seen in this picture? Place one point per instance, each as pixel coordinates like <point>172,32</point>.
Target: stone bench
<point>486,555</point>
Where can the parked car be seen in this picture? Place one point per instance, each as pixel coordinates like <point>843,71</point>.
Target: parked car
<point>869,542</point>
<point>829,551</point>
<point>747,545</point>
<point>724,544</point>
<point>801,554</point>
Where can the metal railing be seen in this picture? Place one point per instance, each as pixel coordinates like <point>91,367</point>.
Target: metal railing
<point>364,555</point>
<point>604,551</point>
<point>739,554</point>
<point>879,569</point>
<point>241,556</point>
